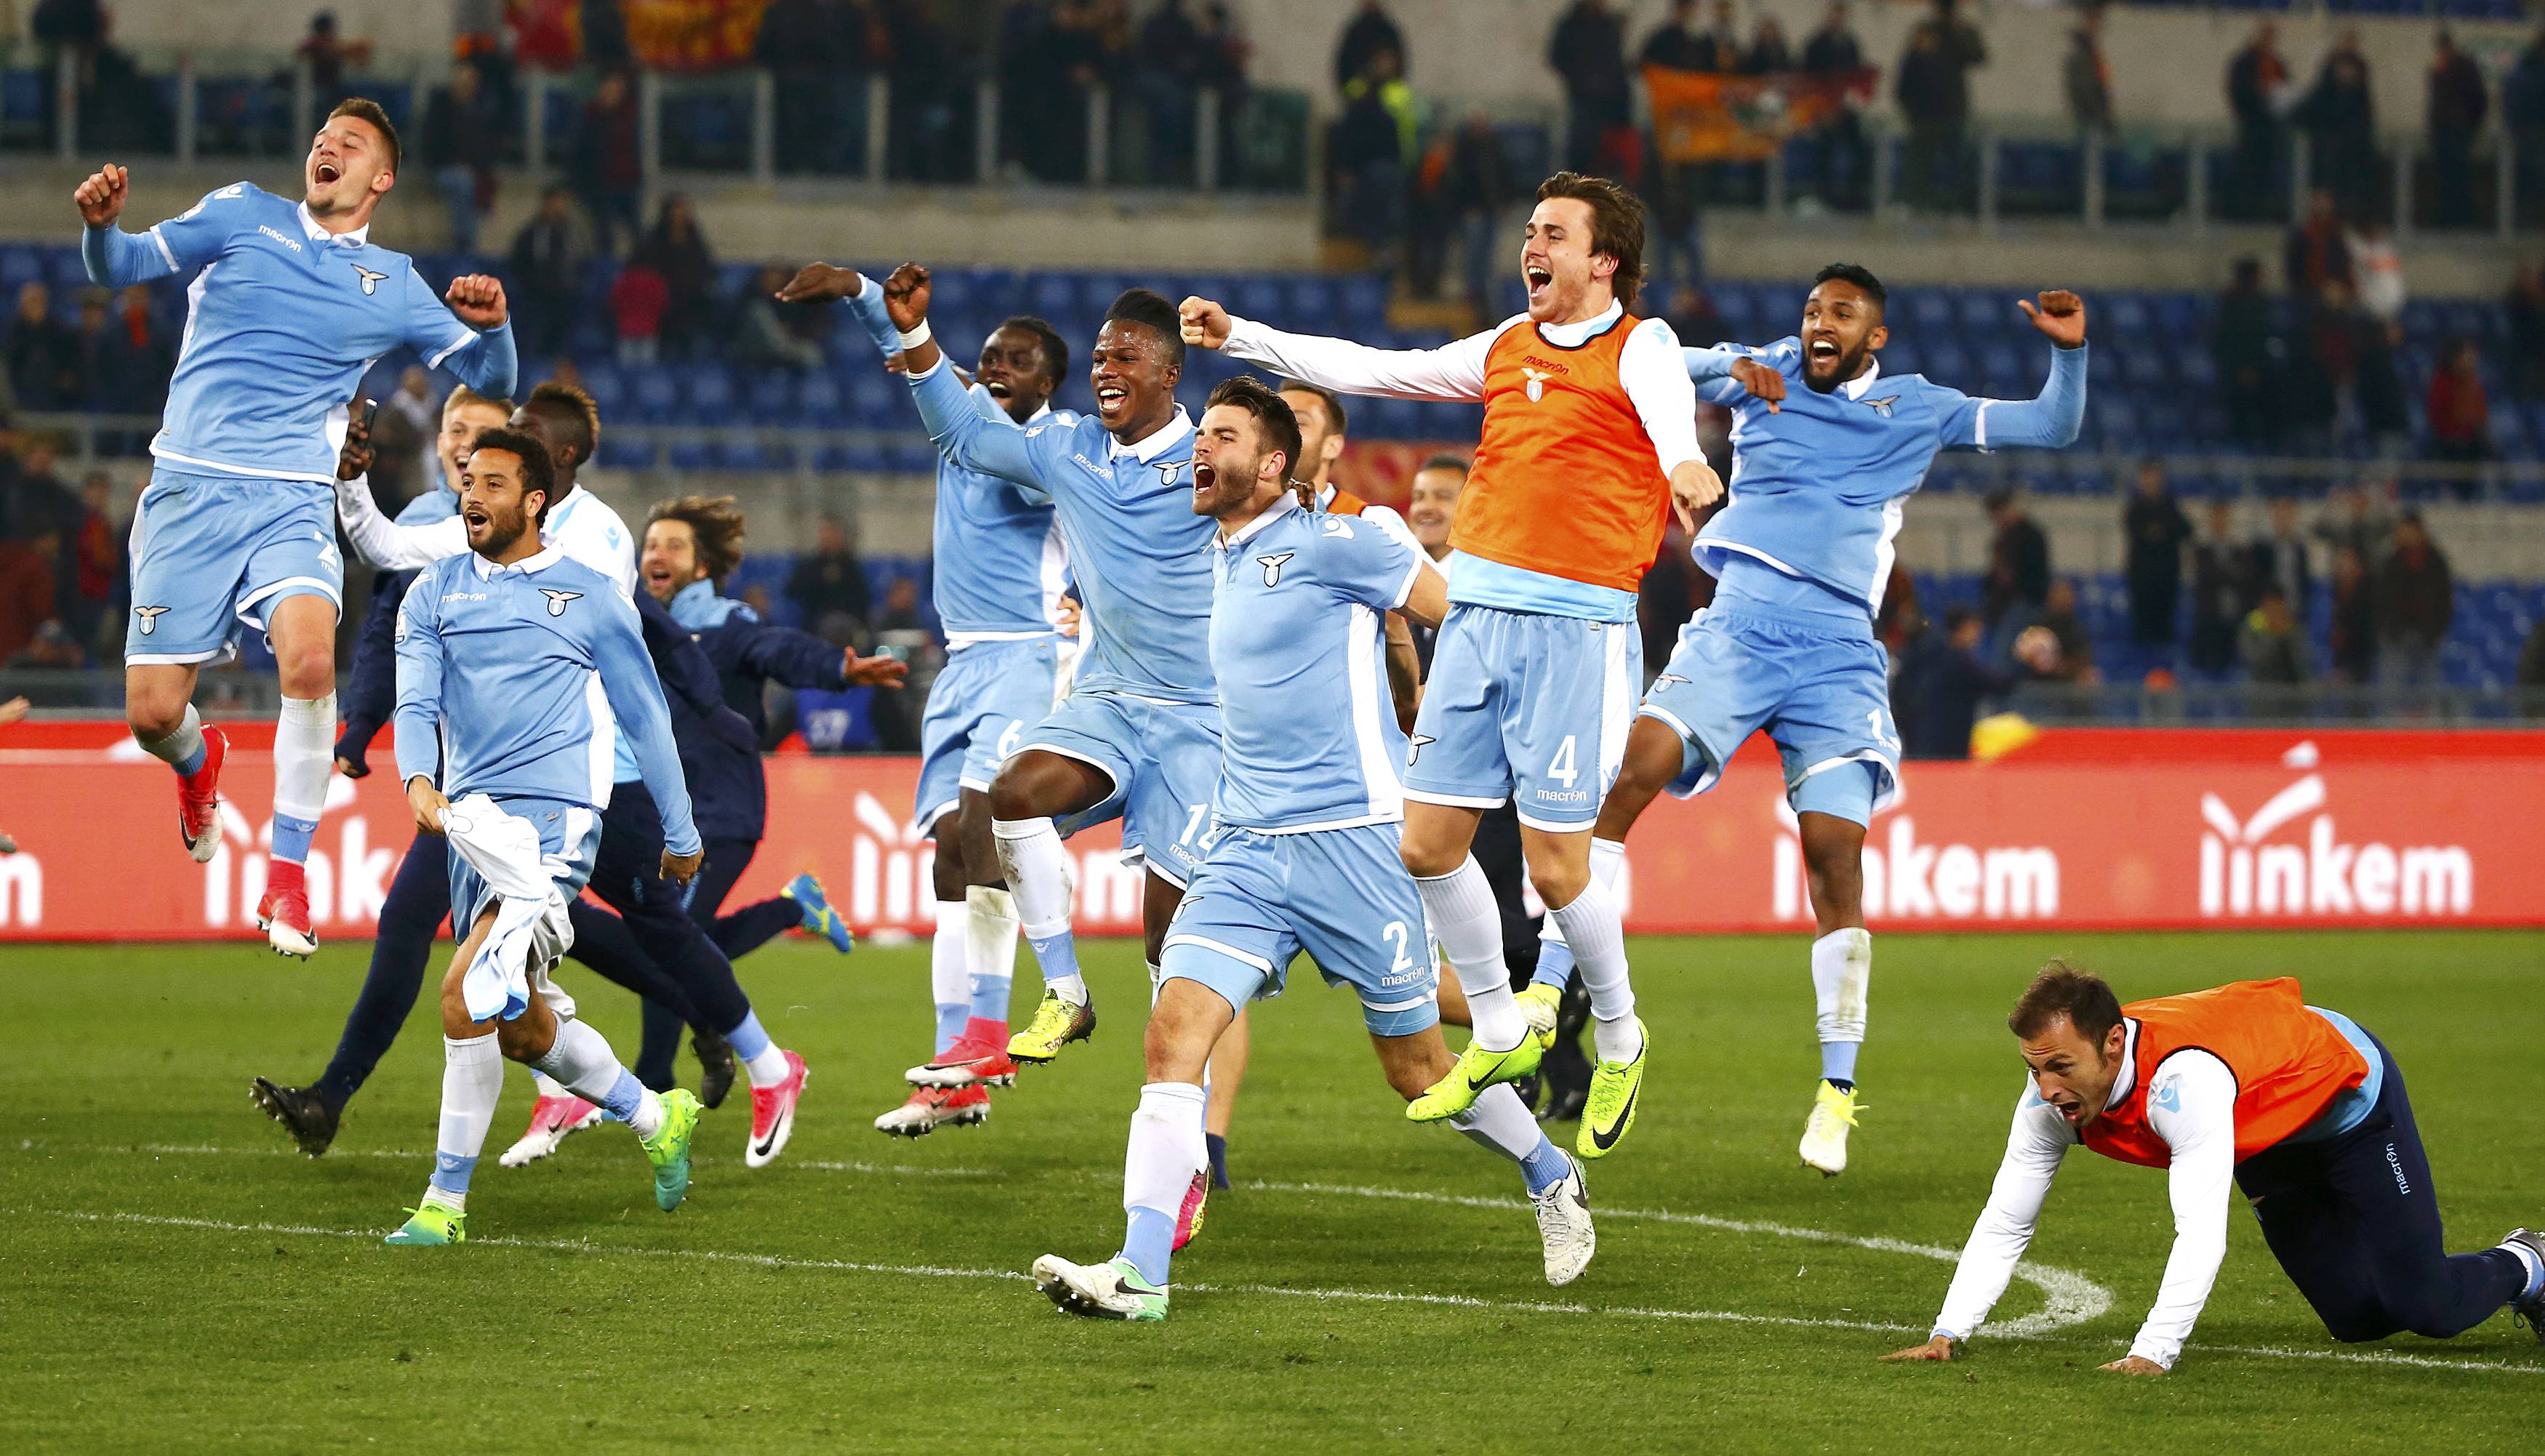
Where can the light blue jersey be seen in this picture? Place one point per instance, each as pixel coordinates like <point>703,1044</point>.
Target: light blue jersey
<point>282,321</point>
<point>1000,566</point>
<point>1137,552</point>
<point>1310,738</point>
<point>517,682</point>
<point>1818,485</point>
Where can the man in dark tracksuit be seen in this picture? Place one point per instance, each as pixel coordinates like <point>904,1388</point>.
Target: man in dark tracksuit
<point>691,544</point>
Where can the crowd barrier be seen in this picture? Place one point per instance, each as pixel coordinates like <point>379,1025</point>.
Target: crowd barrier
<point>2080,829</point>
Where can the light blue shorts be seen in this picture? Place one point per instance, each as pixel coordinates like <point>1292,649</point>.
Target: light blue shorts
<point>1525,706</point>
<point>569,840</point>
<point>978,711</point>
<point>211,553</point>
<point>1341,894</point>
<point>1823,698</point>
<point>1164,761</point>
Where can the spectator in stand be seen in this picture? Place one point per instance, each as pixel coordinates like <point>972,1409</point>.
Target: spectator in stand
<point>604,35</point>
<point>2360,521</point>
<point>2018,574</point>
<point>678,251</point>
<point>1588,51</point>
<point>761,339</point>
<point>97,561</point>
<point>2221,591</point>
<point>1664,601</point>
<point>829,586</point>
<point>1769,54</point>
<point>2340,116</point>
<point>2157,530</point>
<point>460,147</point>
<point>326,50</point>
<point>403,463</point>
<point>2280,556</point>
<point>2087,75</point>
<point>43,362</point>
<point>1371,32</point>
<point>2248,363</point>
<point>2273,647</point>
<point>1935,694</point>
<point>1166,71</point>
<point>927,89</point>
<point>2318,251</point>
<point>809,46</point>
<point>2522,115</point>
<point>2531,673</point>
<point>1694,319</point>
<point>2258,80</point>
<point>2415,598</point>
<point>2377,271</point>
<point>638,300</point>
<point>1477,190</point>
<point>1832,52</point>
<point>2315,368</point>
<point>1676,43</point>
<point>2460,418</point>
<point>899,614</point>
<point>2458,101</point>
<point>26,588</point>
<point>1222,72</point>
<point>94,353</point>
<point>2525,307</point>
<point>1370,154</point>
<point>2377,386</point>
<point>2354,618</point>
<point>547,260</point>
<point>2072,646</point>
<point>146,356</point>
<point>38,503</point>
<point>1933,89</point>
<point>607,168</point>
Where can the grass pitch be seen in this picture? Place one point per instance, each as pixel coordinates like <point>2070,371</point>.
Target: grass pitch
<point>174,1279</point>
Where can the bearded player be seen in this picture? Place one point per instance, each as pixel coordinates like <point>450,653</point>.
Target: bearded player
<point>1826,450</point>
<point>289,304</point>
<point>1590,421</point>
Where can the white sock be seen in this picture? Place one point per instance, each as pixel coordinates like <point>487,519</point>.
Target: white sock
<point>304,749</point>
<point>1469,927</point>
<point>180,745</point>
<point>1608,862</point>
<point>581,1058</point>
<point>548,1087</point>
<point>1036,865</point>
<point>648,1119</point>
<point>1842,972</point>
<point>473,1082</point>
<point>990,950</point>
<point>1502,1123</point>
<point>1165,1151</point>
<point>768,1068</point>
<point>950,970</point>
<point>1598,946</point>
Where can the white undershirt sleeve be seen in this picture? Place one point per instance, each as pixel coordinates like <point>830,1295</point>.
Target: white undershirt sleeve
<point>2191,1105</point>
<point>386,544</point>
<point>2034,1146</point>
<point>1454,371</point>
<point>1654,372</point>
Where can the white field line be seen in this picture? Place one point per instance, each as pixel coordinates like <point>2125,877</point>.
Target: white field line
<point>1373,1296</point>
<point>2066,1293</point>
<point>896,1169</point>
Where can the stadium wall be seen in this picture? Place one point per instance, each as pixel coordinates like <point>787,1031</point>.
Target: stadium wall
<point>2083,829</point>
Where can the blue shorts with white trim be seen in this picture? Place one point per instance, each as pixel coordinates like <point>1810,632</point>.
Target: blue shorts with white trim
<point>979,710</point>
<point>1341,894</point>
<point>211,553</point>
<point>1164,761</point>
<point>1823,698</point>
<point>1525,706</point>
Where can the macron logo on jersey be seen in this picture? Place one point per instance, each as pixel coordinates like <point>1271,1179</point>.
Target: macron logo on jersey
<point>276,234</point>
<point>558,599</point>
<point>370,281</point>
<point>2168,1096</point>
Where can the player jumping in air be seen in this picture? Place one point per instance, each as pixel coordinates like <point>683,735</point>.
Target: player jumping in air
<point>518,669</point>
<point>289,304</point>
<point>1825,450</point>
<point>1304,854</point>
<point>2243,1087</point>
<point>1001,566</point>
<point>1590,438</point>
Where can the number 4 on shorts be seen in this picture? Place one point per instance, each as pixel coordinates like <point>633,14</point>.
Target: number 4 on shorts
<point>1562,770</point>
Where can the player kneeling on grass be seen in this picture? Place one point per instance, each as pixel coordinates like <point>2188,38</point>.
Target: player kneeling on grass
<point>2299,1106</point>
<point>517,667</point>
<point>1304,854</point>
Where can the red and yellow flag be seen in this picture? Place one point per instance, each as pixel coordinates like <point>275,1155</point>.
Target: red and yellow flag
<point>1704,117</point>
